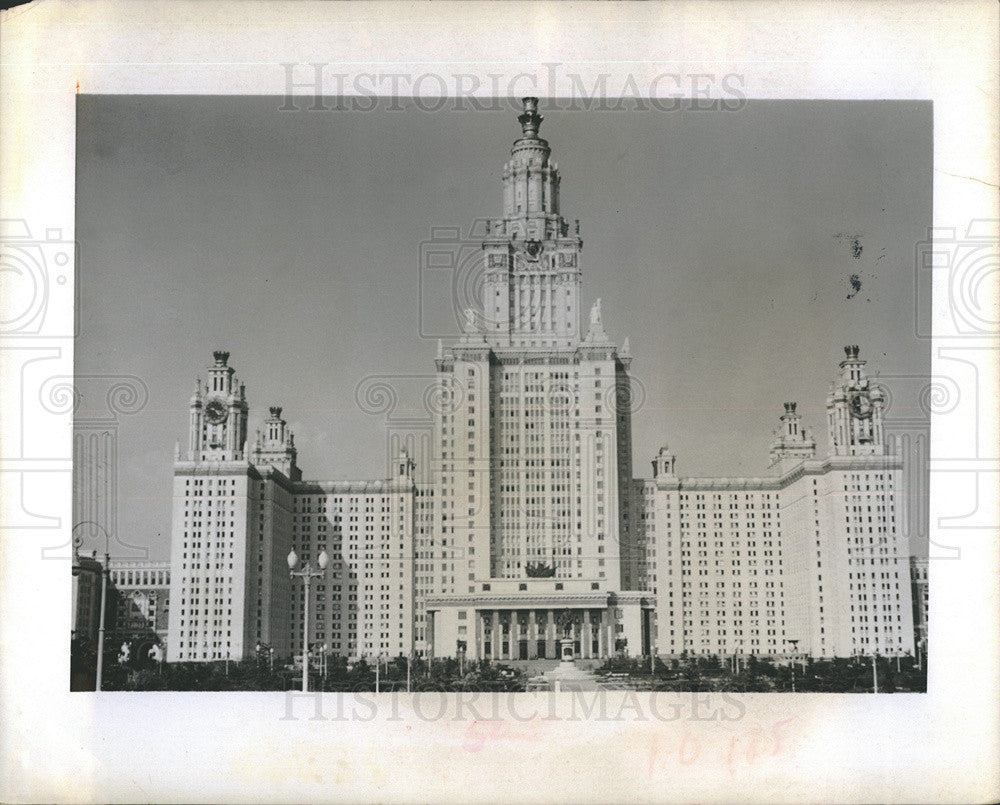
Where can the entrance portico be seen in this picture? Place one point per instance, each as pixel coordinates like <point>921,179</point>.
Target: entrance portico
<point>512,623</point>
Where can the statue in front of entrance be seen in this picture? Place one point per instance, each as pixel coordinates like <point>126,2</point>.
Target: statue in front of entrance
<point>566,620</point>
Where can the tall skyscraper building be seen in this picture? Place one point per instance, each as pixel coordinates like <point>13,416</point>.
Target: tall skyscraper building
<point>229,584</point>
<point>535,462</point>
<point>525,527</point>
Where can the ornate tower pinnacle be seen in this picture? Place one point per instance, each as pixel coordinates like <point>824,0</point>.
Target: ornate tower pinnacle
<point>218,415</point>
<point>791,439</point>
<point>665,464</point>
<point>855,408</point>
<point>529,119</point>
<point>277,448</point>
<point>531,295</point>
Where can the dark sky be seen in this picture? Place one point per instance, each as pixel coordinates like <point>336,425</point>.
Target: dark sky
<point>721,243</point>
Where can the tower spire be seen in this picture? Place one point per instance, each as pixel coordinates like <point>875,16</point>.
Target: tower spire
<point>529,119</point>
<point>532,268</point>
<point>792,441</point>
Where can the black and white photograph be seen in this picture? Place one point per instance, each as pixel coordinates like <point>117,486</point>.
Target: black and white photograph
<point>510,401</point>
<point>378,442</point>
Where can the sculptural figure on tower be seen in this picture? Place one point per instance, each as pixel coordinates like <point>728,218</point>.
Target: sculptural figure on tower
<point>595,314</point>
<point>595,333</point>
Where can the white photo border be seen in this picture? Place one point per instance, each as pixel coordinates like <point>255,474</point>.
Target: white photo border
<point>60,746</point>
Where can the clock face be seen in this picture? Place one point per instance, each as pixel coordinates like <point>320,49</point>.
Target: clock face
<point>216,411</point>
<point>861,405</point>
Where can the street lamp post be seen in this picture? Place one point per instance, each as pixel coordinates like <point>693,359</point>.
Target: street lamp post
<point>307,574</point>
<point>100,628</point>
<point>875,672</point>
<point>104,594</point>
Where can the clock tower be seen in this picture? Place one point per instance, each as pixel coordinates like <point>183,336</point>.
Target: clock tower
<point>855,408</point>
<point>218,415</point>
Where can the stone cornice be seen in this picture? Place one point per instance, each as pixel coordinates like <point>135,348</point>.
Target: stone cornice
<point>777,482</point>
<point>389,486</point>
<point>303,487</point>
<point>215,468</point>
<point>138,564</point>
<point>555,356</point>
<point>536,600</point>
<point>540,356</point>
<point>475,350</point>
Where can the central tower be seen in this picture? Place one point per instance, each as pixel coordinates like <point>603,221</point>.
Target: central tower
<point>531,294</point>
<point>534,431</point>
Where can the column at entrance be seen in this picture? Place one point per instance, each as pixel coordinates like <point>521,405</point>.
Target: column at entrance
<point>429,633</point>
<point>602,637</point>
<point>495,636</point>
<point>515,633</point>
<point>532,636</point>
<point>477,647</point>
<point>586,636</point>
<point>550,632</point>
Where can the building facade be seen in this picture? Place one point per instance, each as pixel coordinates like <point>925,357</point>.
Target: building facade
<point>524,524</point>
<point>808,559</point>
<point>534,469</point>
<point>141,592</point>
<point>920,591</point>
<point>241,508</point>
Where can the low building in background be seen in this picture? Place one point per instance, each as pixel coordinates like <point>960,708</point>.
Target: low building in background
<point>86,598</point>
<point>920,585</point>
<point>141,601</point>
